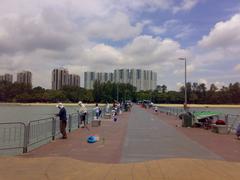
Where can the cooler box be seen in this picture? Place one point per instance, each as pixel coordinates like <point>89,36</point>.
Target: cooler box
<point>96,123</point>
<point>107,116</point>
<point>221,129</point>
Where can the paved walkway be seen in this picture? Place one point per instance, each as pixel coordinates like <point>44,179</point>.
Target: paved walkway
<point>137,136</point>
<point>107,150</point>
<point>149,138</point>
<point>227,146</point>
<point>71,169</point>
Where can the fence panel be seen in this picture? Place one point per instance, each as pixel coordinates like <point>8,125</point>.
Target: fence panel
<point>233,121</point>
<point>12,137</point>
<point>74,121</point>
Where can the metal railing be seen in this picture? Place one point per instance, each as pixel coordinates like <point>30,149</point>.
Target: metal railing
<point>231,120</point>
<point>18,135</point>
<point>12,135</point>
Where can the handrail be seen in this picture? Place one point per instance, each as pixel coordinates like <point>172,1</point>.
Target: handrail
<point>5,143</point>
<point>31,134</point>
<point>232,120</point>
<point>34,133</point>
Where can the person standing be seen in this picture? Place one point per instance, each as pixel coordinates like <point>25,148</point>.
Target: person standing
<point>63,120</point>
<point>97,111</point>
<point>83,113</point>
<point>107,108</point>
<point>114,112</point>
<point>238,131</point>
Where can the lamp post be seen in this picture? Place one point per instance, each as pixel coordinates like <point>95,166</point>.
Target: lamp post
<point>185,101</point>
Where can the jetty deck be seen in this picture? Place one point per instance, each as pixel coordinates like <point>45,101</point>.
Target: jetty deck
<point>140,145</point>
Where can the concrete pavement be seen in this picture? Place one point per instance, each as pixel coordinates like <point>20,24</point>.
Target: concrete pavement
<point>137,136</point>
<point>150,138</point>
<point>52,168</point>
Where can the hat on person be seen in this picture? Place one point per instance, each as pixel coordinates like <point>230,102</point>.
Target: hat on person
<point>60,105</point>
<point>80,102</point>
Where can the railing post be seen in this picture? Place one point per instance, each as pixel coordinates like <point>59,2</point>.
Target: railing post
<point>226,119</point>
<point>70,123</point>
<point>53,128</point>
<point>26,138</point>
<point>79,120</point>
<point>87,117</point>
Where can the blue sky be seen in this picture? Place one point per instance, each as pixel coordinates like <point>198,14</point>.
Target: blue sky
<point>102,35</point>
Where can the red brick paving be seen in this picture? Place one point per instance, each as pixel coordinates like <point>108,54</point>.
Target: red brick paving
<point>107,150</point>
<point>226,146</point>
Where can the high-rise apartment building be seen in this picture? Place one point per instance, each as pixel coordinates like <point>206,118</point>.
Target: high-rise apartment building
<point>91,77</point>
<point>60,78</point>
<point>141,79</point>
<point>7,77</point>
<point>24,77</point>
<point>74,80</point>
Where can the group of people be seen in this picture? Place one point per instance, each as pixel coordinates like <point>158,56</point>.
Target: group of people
<point>83,113</point>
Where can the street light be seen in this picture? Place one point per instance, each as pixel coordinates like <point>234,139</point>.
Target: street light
<point>185,102</point>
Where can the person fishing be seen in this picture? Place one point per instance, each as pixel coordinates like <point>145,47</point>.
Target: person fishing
<point>97,111</point>
<point>114,112</point>
<point>83,113</point>
<point>238,131</point>
<point>107,108</point>
<point>63,120</point>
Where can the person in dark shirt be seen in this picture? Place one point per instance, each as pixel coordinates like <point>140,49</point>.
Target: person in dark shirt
<point>238,131</point>
<point>63,120</point>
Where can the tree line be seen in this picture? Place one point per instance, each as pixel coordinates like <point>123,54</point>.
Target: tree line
<point>108,92</point>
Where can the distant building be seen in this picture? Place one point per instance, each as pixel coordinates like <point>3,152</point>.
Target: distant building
<point>74,80</point>
<point>60,78</point>
<point>91,77</point>
<point>24,77</point>
<point>7,77</point>
<point>141,79</point>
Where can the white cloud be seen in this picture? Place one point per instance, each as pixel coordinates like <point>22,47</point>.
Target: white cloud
<point>223,35</point>
<point>42,35</point>
<point>38,32</point>
<point>148,50</point>
<point>190,69</point>
<point>185,5</point>
<point>220,46</point>
<point>237,68</point>
<point>174,27</point>
<point>203,81</point>
<point>179,85</point>
<point>116,27</point>
<point>157,29</point>
<point>219,84</point>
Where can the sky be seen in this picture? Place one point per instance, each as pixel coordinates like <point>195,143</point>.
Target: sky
<point>103,35</point>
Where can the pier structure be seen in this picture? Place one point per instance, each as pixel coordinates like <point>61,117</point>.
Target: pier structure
<point>142,144</point>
